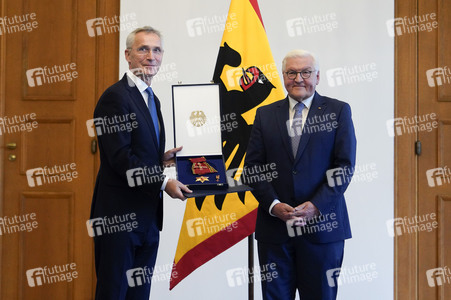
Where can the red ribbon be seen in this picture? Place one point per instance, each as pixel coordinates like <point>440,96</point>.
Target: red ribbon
<point>201,167</point>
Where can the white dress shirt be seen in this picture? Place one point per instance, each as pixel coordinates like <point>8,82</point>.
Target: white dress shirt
<point>142,86</point>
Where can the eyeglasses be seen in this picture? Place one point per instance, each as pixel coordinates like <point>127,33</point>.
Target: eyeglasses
<point>304,74</point>
<point>146,50</point>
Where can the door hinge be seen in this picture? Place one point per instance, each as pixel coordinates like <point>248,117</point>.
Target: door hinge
<point>94,146</point>
<point>418,148</point>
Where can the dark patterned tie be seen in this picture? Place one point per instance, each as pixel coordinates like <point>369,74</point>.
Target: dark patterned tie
<point>296,127</point>
<point>153,112</point>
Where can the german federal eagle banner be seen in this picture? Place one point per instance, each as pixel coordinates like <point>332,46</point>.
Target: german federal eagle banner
<point>248,78</point>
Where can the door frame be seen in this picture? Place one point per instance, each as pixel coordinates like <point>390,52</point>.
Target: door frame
<point>107,73</point>
<point>406,201</point>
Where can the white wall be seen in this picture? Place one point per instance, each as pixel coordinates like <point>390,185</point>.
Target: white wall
<point>357,35</point>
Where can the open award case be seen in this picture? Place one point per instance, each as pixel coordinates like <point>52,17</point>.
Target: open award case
<point>197,127</point>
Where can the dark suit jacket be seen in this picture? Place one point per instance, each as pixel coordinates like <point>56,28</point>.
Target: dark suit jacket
<point>303,178</point>
<point>125,150</point>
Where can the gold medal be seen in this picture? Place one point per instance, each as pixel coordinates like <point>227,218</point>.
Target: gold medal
<point>202,179</point>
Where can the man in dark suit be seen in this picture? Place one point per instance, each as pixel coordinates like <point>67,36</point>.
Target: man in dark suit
<point>302,219</point>
<point>127,206</point>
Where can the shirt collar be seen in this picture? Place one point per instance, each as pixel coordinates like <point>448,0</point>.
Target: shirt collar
<point>140,84</point>
<point>307,102</point>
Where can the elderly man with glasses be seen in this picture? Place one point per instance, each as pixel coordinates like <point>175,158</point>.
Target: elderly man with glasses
<point>302,219</point>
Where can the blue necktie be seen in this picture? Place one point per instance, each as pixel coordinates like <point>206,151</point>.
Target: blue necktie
<point>296,127</point>
<point>153,112</point>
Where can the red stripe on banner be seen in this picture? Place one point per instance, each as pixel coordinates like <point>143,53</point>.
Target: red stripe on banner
<point>214,245</point>
<point>257,10</point>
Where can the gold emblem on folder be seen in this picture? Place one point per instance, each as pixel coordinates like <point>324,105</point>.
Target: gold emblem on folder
<point>198,118</point>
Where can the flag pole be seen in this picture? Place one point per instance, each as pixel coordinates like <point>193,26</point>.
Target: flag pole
<point>250,267</point>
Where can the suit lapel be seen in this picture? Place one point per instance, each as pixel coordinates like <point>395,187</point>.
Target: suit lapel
<point>316,110</point>
<point>282,119</point>
<point>137,98</point>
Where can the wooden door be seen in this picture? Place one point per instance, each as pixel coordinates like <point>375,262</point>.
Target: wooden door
<point>53,67</point>
<point>434,167</point>
<point>423,180</point>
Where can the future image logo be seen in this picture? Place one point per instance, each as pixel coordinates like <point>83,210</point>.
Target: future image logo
<point>18,23</point>
<point>406,225</point>
<point>49,75</point>
<point>351,74</point>
<point>407,125</point>
<point>111,124</point>
<point>312,24</point>
<point>351,274</point>
<point>240,276</point>
<point>438,176</point>
<point>114,24</point>
<point>438,276</point>
<point>21,223</point>
<point>18,123</point>
<point>144,175</point>
<point>49,175</point>
<point>412,25</point>
<point>48,275</point>
<point>110,225</point>
<point>211,224</point>
<point>211,24</point>
<point>322,223</point>
<point>438,76</point>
